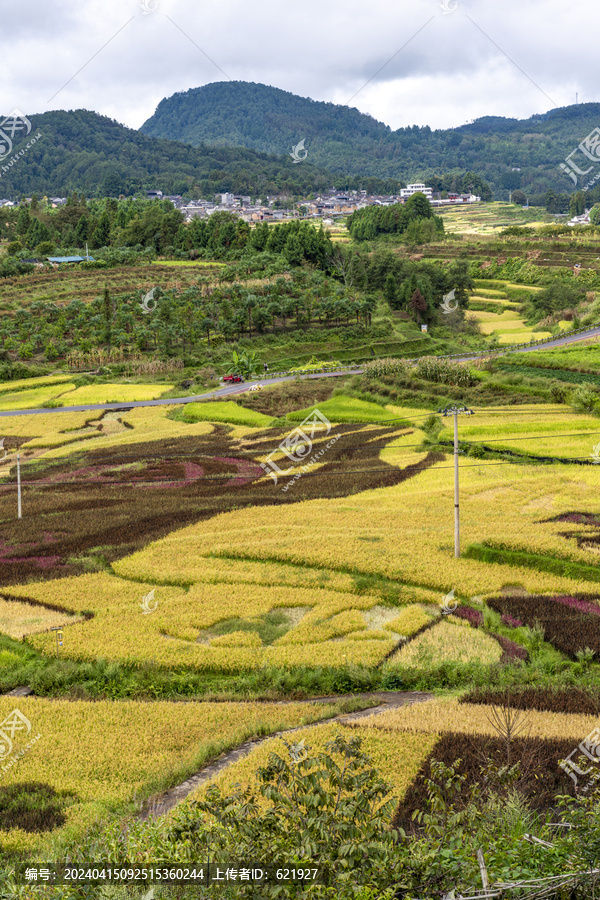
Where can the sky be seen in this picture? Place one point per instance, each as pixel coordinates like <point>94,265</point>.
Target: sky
<point>441,63</point>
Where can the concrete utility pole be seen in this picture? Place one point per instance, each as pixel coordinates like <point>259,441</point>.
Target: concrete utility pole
<point>19,487</point>
<point>454,411</point>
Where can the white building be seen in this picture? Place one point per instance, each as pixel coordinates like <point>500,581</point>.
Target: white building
<point>407,192</point>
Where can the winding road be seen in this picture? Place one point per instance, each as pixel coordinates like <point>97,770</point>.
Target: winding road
<point>231,389</point>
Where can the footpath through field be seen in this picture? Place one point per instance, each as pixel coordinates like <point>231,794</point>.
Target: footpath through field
<point>386,700</point>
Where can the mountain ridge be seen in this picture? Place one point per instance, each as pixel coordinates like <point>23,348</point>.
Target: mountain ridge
<point>515,153</point>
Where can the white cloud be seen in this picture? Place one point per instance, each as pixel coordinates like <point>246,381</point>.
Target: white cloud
<point>498,58</point>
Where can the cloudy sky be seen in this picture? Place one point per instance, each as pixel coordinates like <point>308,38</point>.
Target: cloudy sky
<point>427,62</point>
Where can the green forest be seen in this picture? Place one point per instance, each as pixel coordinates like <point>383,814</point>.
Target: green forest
<point>509,154</point>
<point>82,151</point>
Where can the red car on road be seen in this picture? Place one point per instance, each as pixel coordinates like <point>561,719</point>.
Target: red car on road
<point>233,378</point>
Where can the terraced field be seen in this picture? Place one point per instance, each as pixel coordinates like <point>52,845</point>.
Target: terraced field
<point>161,543</point>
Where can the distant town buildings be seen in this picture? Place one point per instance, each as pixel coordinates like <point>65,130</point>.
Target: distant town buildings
<point>331,205</point>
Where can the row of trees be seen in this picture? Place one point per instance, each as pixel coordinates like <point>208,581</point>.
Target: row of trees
<point>156,225</point>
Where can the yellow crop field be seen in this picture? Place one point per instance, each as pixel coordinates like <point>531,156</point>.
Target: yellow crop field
<point>147,424</point>
<point>509,325</point>
<point>440,715</point>
<point>405,532</point>
<point>410,620</point>
<point>398,757</point>
<point>170,626</point>
<point>115,393</point>
<point>234,571</point>
<point>24,383</point>
<point>18,619</point>
<point>446,642</point>
<point>36,397</point>
<point>124,746</point>
<point>544,430</point>
<point>39,424</point>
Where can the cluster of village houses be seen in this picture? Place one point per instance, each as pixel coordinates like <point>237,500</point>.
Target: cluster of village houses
<point>329,206</point>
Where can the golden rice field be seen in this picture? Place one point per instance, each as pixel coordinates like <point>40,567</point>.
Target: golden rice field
<point>18,619</point>
<point>447,642</point>
<point>404,532</point>
<point>63,392</point>
<point>399,740</point>
<point>509,325</point>
<point>397,756</point>
<point>545,430</point>
<point>440,715</point>
<point>25,383</point>
<point>302,559</point>
<point>172,629</point>
<point>104,752</point>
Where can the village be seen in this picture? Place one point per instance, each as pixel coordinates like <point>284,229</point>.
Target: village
<point>279,208</point>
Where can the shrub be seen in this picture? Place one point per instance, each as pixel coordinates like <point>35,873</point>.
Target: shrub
<point>332,808</point>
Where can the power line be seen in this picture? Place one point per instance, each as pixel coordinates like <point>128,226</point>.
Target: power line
<point>253,478</point>
<point>194,456</point>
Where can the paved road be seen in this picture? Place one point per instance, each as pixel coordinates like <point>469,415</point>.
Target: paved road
<point>221,392</point>
<point>584,336</point>
<point>231,389</point>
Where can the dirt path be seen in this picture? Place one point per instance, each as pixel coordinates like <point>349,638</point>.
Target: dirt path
<point>385,700</point>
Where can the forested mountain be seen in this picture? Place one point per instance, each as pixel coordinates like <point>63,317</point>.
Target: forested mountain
<point>507,153</point>
<point>83,151</point>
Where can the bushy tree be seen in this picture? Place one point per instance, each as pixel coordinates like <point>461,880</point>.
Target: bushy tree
<point>330,809</point>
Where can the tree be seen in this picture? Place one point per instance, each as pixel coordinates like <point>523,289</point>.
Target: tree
<point>244,363</point>
<point>331,809</point>
<point>461,282</point>
<point>101,234</point>
<point>418,206</point>
<point>594,214</point>
<point>82,231</point>
<point>23,221</point>
<point>518,197</point>
<point>418,304</point>
<point>107,310</point>
<point>390,291</point>
<point>577,203</point>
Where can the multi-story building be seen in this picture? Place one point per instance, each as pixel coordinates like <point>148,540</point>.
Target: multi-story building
<point>411,189</point>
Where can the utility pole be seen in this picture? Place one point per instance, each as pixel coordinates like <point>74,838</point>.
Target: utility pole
<point>19,487</point>
<point>454,411</point>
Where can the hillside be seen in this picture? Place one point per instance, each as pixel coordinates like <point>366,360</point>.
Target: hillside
<point>83,151</point>
<point>507,153</point>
